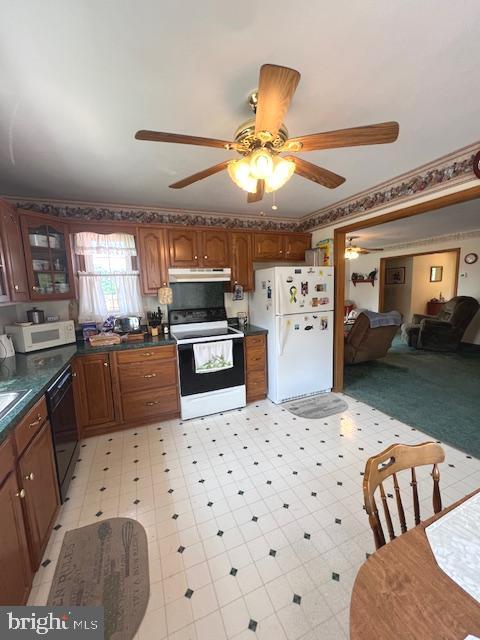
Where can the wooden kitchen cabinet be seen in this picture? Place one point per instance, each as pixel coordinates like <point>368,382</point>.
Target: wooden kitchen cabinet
<point>37,476</point>
<point>295,247</point>
<point>256,367</point>
<point>13,254</point>
<point>4,292</point>
<point>242,260</point>
<point>268,246</point>
<point>48,258</point>
<point>15,568</point>
<point>153,259</point>
<point>92,387</point>
<point>214,249</point>
<point>183,247</point>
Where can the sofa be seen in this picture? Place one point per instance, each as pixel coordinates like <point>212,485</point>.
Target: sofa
<point>444,331</point>
<point>364,342</point>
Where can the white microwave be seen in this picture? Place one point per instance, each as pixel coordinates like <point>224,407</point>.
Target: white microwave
<point>41,336</point>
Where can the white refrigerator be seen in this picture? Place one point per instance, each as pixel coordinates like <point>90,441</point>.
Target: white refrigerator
<point>295,305</point>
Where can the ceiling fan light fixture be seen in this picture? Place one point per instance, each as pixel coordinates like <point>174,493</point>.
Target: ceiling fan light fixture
<point>261,164</point>
<point>283,170</point>
<point>239,172</point>
<point>351,253</point>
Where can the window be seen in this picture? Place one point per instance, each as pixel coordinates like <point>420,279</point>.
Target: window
<point>108,278</point>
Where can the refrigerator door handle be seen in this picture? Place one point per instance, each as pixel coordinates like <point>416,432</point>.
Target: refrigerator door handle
<point>281,336</point>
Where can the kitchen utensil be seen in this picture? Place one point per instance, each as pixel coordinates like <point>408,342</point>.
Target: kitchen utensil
<point>37,316</point>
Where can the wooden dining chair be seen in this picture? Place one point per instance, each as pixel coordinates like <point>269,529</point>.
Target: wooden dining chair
<point>399,457</point>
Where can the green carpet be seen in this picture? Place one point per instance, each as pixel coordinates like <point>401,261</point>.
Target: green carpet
<point>438,393</point>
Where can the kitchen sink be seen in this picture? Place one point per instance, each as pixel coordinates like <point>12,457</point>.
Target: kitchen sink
<point>9,399</point>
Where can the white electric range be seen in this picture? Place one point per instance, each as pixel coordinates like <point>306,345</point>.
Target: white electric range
<point>209,392</point>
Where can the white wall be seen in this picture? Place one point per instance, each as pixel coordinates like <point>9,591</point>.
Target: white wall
<point>398,296</point>
<point>468,282</point>
<point>424,290</point>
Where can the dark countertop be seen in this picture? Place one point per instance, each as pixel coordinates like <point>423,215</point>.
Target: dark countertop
<point>253,330</point>
<point>35,372</point>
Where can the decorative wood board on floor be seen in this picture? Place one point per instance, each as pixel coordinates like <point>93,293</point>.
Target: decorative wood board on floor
<point>315,407</point>
<point>105,564</point>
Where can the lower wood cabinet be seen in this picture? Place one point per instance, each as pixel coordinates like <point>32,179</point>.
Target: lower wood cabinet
<point>38,476</point>
<point>92,388</point>
<point>15,566</point>
<point>122,388</point>
<point>256,367</point>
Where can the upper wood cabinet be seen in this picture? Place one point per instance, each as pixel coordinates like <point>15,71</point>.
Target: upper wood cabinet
<point>295,247</point>
<point>38,477</point>
<point>92,387</point>
<point>48,258</point>
<point>4,292</point>
<point>183,246</point>
<point>153,259</point>
<point>268,246</point>
<point>214,249</point>
<point>13,255</point>
<point>241,259</point>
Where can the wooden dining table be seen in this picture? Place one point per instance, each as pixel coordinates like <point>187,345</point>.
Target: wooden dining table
<point>400,593</point>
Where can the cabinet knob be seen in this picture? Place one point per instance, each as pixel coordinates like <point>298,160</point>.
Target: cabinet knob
<point>36,422</point>
<point>30,476</point>
<point>150,375</point>
<point>147,353</point>
<point>21,493</point>
<point>195,257</point>
<point>105,364</point>
<point>16,287</point>
<point>35,288</point>
<point>74,374</point>
<point>205,257</point>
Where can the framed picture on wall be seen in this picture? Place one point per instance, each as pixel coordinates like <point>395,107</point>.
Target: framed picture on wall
<point>395,275</point>
<point>436,274</point>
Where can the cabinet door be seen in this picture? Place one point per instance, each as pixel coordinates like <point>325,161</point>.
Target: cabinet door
<point>242,263</point>
<point>14,255</point>
<point>184,247</point>
<point>268,246</point>
<point>4,293</point>
<point>215,249</point>
<point>92,386</point>
<point>153,266</point>
<point>295,247</point>
<point>15,570</point>
<point>48,258</point>
<point>38,476</point>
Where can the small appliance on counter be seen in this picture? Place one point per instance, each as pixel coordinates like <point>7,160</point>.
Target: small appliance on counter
<point>127,324</point>
<point>6,347</point>
<point>37,316</point>
<point>34,337</point>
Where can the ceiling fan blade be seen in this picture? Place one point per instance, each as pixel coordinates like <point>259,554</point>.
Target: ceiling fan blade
<point>276,87</point>
<point>382,133</point>
<point>258,195</point>
<point>317,174</point>
<point>178,138</point>
<point>200,175</point>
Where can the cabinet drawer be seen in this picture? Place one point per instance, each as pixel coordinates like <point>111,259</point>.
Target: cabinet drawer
<point>144,355</point>
<point>255,341</point>
<point>256,385</point>
<point>153,374</point>
<point>30,425</point>
<point>145,405</point>
<point>256,358</point>
<point>7,458</point>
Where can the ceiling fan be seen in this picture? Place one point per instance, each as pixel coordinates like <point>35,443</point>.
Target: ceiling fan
<point>352,251</point>
<point>261,141</point>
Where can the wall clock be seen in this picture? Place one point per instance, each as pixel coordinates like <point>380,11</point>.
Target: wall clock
<point>471,258</point>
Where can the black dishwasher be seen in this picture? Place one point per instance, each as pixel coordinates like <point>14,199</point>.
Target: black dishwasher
<point>61,411</point>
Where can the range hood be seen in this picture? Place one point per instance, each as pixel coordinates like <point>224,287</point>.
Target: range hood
<point>200,275</point>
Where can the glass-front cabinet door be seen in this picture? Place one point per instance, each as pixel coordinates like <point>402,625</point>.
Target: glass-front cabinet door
<point>47,253</point>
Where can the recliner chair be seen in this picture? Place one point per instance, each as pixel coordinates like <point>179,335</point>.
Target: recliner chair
<point>444,331</point>
<point>364,343</point>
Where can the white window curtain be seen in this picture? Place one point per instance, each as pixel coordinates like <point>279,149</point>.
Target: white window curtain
<point>109,285</point>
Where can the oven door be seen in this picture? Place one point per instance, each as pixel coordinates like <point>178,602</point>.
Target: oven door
<point>192,382</point>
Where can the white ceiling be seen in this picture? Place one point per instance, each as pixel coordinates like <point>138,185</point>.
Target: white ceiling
<point>457,218</point>
<point>79,78</point>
